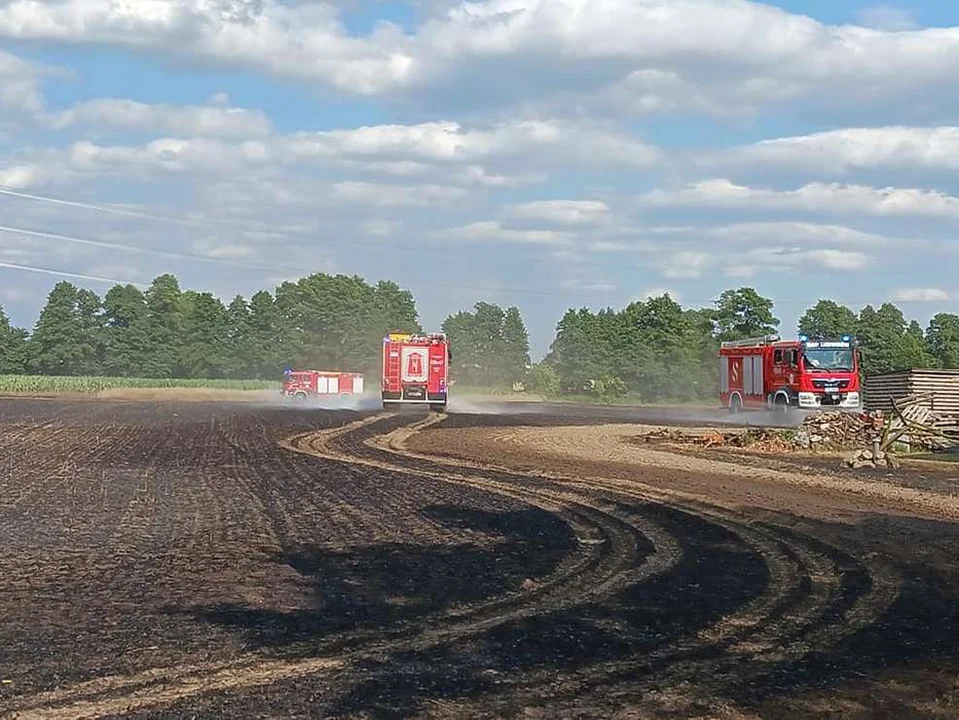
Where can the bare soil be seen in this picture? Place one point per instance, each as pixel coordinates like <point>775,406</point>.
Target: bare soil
<point>178,559</point>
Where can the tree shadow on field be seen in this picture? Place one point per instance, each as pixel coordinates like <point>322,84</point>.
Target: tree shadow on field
<point>382,588</point>
<point>599,654</point>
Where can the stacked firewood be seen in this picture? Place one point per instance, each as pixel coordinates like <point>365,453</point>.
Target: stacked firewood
<point>911,426</point>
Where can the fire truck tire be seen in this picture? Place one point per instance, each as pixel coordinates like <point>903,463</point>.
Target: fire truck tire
<point>781,403</point>
<point>735,404</point>
<point>299,396</point>
<point>438,407</point>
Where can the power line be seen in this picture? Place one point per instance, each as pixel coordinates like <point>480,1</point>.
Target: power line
<point>267,267</point>
<point>63,273</point>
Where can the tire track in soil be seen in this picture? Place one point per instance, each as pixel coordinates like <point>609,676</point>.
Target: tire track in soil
<point>808,602</point>
<point>607,559</point>
<point>817,594</point>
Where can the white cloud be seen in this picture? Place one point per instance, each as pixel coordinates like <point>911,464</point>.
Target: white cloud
<point>526,150</point>
<point>181,121</point>
<point>492,231</point>
<point>804,233</point>
<point>832,198</point>
<point>20,95</point>
<point>686,264</point>
<point>766,260</point>
<point>397,195</point>
<point>380,228</point>
<point>848,149</point>
<point>920,295</point>
<point>695,49</point>
<point>446,141</point>
<point>562,212</point>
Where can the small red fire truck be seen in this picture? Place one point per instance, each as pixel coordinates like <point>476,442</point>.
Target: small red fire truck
<point>303,384</point>
<point>769,373</point>
<point>416,369</point>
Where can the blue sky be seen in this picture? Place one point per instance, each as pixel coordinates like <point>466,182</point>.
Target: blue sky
<point>542,153</point>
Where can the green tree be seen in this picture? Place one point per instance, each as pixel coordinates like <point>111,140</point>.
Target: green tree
<point>828,320</point>
<point>580,350</point>
<point>13,347</point>
<point>337,321</point>
<point>516,357</point>
<point>744,313</point>
<point>63,341</point>
<point>126,335</point>
<point>266,347</point>
<point>942,339</point>
<point>490,345</point>
<point>164,322</point>
<point>543,380</point>
<point>204,345</point>
<point>238,329</point>
<point>889,342</point>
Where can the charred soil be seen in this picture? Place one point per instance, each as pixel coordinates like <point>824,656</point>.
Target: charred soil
<point>178,559</point>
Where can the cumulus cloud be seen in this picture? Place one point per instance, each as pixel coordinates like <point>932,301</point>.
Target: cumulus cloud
<point>396,195</point>
<point>766,260</point>
<point>447,141</point>
<point>849,149</point>
<point>563,212</point>
<point>445,151</point>
<point>686,264</point>
<point>920,295</point>
<point>178,120</point>
<point>832,198</point>
<point>662,52</point>
<point>491,231</point>
<point>20,94</point>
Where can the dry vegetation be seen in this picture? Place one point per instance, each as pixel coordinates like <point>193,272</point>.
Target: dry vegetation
<point>227,559</point>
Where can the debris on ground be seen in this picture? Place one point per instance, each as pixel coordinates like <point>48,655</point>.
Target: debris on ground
<point>911,426</point>
<point>874,438</point>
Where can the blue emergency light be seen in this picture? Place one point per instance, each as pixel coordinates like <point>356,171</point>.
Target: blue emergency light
<point>803,338</point>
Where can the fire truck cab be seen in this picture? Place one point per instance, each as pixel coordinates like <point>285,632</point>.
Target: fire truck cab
<point>303,384</point>
<point>416,370</point>
<point>770,373</point>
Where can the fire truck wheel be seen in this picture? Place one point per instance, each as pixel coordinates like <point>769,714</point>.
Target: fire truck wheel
<point>438,407</point>
<point>299,396</point>
<point>781,404</point>
<point>735,404</point>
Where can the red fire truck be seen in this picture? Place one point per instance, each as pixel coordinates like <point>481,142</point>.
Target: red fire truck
<point>303,384</point>
<point>416,369</point>
<point>770,373</point>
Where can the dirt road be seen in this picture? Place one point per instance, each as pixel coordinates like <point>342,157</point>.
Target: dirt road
<point>179,559</point>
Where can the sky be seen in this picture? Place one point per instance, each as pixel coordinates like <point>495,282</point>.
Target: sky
<point>546,154</point>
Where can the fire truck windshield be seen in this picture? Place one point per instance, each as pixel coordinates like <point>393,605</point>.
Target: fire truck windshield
<point>829,359</point>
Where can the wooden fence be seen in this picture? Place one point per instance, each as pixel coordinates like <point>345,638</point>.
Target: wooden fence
<point>941,385</point>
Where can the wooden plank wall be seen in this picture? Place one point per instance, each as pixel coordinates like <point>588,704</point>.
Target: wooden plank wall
<point>944,384</point>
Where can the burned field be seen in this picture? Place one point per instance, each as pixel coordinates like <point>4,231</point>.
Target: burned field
<point>180,559</point>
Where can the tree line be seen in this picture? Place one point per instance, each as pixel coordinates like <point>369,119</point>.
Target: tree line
<point>320,321</point>
<point>654,350</point>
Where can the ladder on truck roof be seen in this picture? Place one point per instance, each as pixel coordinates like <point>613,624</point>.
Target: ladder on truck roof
<point>751,342</point>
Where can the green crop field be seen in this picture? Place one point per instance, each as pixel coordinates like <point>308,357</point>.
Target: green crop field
<point>42,384</point>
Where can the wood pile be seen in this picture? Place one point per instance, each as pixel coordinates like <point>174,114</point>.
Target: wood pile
<point>877,438</point>
<point>834,431</point>
<point>911,426</point>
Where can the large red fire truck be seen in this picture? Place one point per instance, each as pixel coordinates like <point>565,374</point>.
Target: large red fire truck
<point>770,373</point>
<point>303,384</point>
<point>416,369</point>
